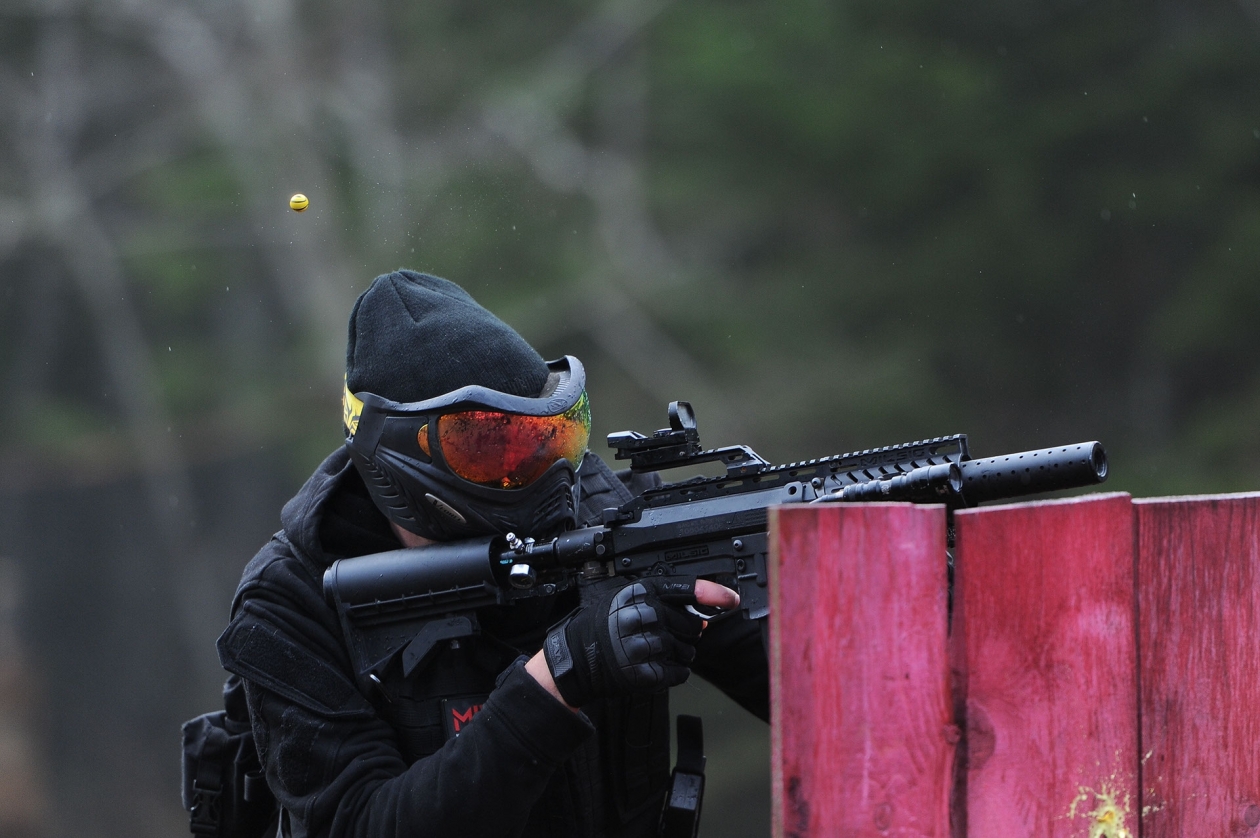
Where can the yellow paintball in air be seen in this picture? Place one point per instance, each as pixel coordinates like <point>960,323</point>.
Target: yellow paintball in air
<point>298,202</point>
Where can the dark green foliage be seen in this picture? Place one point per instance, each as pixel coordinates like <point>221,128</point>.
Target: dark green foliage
<point>1041,214</point>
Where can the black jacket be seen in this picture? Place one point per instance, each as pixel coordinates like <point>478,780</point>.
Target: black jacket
<point>351,757</point>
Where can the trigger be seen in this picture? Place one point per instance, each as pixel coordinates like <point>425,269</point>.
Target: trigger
<point>717,612</point>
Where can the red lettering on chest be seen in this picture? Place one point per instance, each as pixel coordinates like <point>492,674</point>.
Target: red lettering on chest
<point>460,718</point>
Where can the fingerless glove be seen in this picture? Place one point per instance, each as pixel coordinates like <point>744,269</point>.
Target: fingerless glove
<point>636,638</point>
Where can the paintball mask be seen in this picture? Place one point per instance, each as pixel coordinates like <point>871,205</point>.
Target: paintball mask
<point>475,461</point>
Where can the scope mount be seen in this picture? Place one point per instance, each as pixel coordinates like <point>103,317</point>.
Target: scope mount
<point>679,445</point>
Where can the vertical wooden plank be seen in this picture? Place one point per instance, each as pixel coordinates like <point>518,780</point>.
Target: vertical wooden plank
<point>861,722</point>
<point>1044,622</point>
<point>1199,603</point>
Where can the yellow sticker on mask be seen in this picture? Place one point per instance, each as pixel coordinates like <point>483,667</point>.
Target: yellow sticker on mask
<point>351,410</point>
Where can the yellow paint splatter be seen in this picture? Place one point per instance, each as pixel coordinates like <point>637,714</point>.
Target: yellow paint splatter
<point>1107,818</point>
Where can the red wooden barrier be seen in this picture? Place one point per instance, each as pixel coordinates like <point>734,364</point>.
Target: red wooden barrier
<point>861,719</point>
<point>1199,601</point>
<point>1057,606</point>
<point>1045,647</point>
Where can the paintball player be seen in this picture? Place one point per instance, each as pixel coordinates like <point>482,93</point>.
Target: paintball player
<point>488,735</point>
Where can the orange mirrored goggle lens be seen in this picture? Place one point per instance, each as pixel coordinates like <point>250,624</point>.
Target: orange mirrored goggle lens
<point>508,450</point>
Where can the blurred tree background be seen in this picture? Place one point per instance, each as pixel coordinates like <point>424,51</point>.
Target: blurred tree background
<point>828,225</point>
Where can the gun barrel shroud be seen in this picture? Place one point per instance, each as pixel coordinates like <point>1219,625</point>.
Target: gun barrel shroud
<point>1032,472</point>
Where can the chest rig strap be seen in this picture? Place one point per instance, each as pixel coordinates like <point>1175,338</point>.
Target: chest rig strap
<point>681,816</point>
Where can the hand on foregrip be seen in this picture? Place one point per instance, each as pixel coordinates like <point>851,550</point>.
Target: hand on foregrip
<point>637,638</point>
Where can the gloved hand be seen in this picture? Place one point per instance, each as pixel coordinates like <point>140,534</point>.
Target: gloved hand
<point>636,638</point>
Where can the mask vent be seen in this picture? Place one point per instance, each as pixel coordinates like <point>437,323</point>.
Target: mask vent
<point>387,492</point>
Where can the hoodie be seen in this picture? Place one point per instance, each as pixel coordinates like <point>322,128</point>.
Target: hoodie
<point>348,757</point>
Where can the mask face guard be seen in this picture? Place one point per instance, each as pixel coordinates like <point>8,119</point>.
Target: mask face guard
<point>521,454</point>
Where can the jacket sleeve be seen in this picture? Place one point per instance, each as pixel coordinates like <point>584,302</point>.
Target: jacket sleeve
<point>731,655</point>
<point>335,765</point>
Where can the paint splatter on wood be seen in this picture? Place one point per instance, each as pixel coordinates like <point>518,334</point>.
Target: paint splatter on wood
<point>1046,655</point>
<point>1111,814</point>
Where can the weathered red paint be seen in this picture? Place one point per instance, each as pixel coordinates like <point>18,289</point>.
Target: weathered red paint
<point>1045,648</point>
<point>1199,601</point>
<point>861,727</point>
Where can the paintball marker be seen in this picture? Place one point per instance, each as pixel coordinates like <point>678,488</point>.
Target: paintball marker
<point>711,527</point>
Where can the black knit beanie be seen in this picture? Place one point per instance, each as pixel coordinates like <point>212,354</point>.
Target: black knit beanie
<point>415,336</point>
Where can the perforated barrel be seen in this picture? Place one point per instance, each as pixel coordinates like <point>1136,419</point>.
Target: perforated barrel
<point>1030,472</point>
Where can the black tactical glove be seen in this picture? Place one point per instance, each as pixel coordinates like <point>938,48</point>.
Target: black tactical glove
<point>636,638</point>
